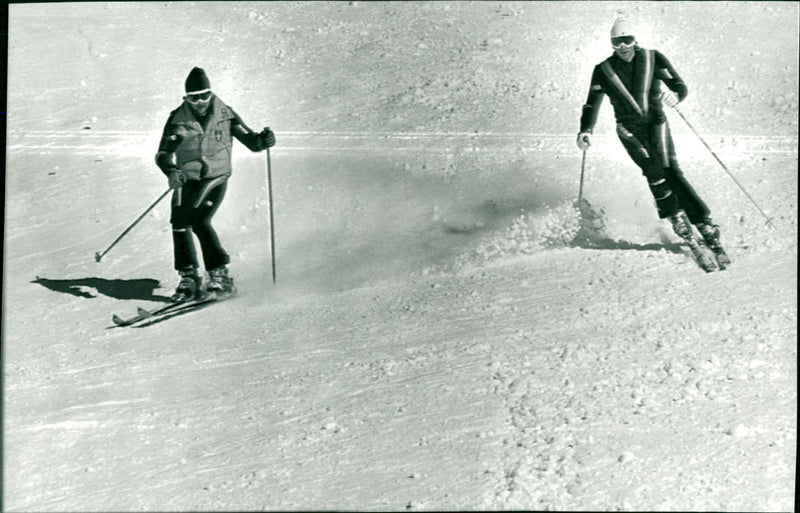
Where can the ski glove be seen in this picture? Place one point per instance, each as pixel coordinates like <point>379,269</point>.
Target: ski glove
<point>584,140</point>
<point>176,178</point>
<point>266,139</point>
<point>668,99</point>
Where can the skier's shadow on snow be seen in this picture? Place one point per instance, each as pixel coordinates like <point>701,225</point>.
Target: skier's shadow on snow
<point>141,289</point>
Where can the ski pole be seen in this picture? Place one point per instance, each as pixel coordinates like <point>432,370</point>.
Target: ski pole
<point>98,256</point>
<point>769,221</point>
<point>271,217</point>
<point>583,167</point>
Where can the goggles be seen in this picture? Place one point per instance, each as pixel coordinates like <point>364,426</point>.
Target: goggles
<point>622,42</point>
<point>198,98</point>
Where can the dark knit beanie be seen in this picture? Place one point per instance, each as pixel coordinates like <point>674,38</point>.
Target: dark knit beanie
<point>197,81</point>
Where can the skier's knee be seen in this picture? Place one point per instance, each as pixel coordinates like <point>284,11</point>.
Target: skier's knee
<point>201,225</point>
<point>659,188</point>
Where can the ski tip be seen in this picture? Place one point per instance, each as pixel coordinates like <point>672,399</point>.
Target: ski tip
<point>117,320</point>
<point>142,312</point>
<point>707,265</point>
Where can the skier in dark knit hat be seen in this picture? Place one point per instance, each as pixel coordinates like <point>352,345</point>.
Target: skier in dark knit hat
<point>632,79</point>
<point>195,155</point>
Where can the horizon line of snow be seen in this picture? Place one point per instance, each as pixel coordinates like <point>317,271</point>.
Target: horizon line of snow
<point>94,150</point>
<point>378,135</point>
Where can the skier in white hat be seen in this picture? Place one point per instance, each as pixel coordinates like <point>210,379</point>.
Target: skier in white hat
<point>632,79</point>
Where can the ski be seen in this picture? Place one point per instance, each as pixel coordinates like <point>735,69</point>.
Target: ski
<point>705,262</point>
<point>708,237</point>
<point>184,308</point>
<point>142,314</point>
<point>722,258</point>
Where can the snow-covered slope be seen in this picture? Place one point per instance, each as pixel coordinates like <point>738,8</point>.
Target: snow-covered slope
<point>437,337</point>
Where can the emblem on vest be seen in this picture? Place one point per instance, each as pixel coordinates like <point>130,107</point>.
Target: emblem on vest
<point>218,135</point>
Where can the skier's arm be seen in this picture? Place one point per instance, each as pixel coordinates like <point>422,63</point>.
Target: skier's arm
<point>255,141</point>
<point>594,99</point>
<point>670,77</point>
<point>165,158</point>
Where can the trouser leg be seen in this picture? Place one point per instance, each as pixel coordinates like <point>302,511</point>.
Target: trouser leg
<point>193,207</point>
<point>214,255</point>
<point>653,170</point>
<point>184,253</point>
<point>688,199</point>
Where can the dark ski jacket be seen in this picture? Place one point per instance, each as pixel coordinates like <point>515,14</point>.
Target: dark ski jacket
<point>633,88</point>
<point>203,149</point>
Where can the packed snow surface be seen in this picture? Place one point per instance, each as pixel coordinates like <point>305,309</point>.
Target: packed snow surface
<point>447,330</point>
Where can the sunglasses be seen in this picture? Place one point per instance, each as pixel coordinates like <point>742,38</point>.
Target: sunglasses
<point>622,42</point>
<point>194,99</point>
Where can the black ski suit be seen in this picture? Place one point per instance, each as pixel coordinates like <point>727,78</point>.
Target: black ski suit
<point>203,155</point>
<point>634,90</point>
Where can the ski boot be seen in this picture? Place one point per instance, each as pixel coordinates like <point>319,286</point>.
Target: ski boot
<point>681,225</point>
<point>710,233</point>
<point>683,228</point>
<point>219,283</point>
<point>189,287</point>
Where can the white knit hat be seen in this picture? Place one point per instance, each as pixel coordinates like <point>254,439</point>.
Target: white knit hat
<point>622,27</point>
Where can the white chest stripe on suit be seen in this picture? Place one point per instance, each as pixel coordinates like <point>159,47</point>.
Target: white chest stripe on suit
<point>643,106</point>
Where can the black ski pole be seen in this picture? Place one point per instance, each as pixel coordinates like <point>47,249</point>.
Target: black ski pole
<point>98,256</point>
<point>769,221</point>
<point>271,216</point>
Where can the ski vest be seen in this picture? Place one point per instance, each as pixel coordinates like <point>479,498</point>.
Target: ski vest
<point>635,103</point>
<point>201,153</point>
